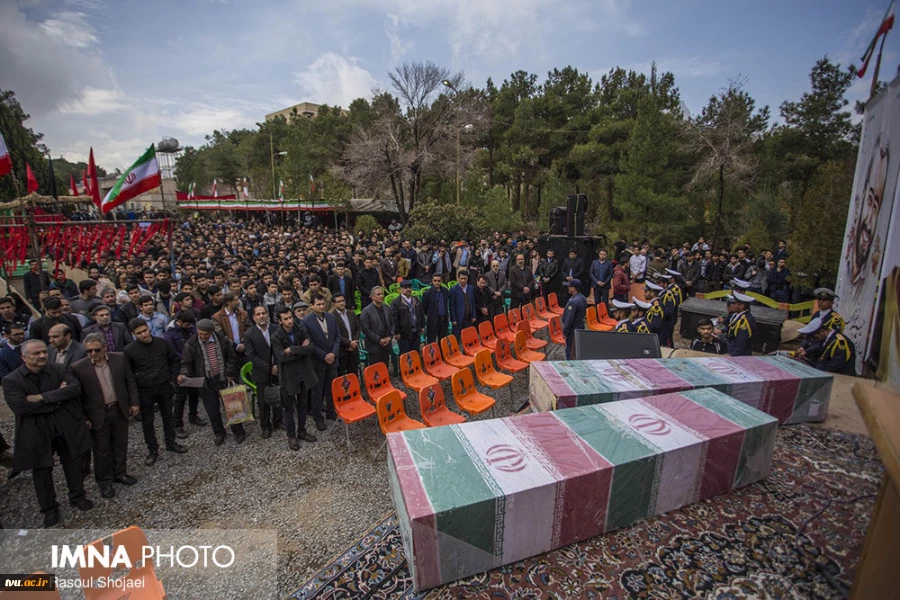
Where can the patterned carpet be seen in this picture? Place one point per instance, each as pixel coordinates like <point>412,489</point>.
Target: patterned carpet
<point>798,534</point>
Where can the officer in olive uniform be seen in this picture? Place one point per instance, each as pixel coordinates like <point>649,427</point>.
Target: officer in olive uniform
<point>623,315</point>
<point>573,316</point>
<point>838,354</point>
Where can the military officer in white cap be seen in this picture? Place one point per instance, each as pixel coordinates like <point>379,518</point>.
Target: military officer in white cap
<point>837,354</point>
<point>811,348</point>
<point>623,315</point>
<point>741,325</point>
<point>638,320</point>
<point>656,318</point>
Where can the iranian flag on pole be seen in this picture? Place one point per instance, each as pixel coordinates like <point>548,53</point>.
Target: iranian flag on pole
<point>5,160</point>
<point>215,188</point>
<point>280,191</point>
<point>887,22</point>
<point>140,177</point>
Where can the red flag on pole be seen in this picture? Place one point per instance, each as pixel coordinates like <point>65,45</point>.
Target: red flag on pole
<point>32,180</point>
<point>85,183</point>
<point>5,160</point>
<point>72,184</point>
<point>95,187</point>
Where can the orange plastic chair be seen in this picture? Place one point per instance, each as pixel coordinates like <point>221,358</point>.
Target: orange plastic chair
<point>530,315</point>
<point>513,317</point>
<point>501,328</point>
<point>541,308</point>
<point>412,374</point>
<point>453,355</point>
<point>348,401</point>
<point>377,381</point>
<point>145,584</point>
<point>392,415</point>
<point>505,358</point>
<point>553,301</point>
<point>532,342</point>
<point>487,375</point>
<point>556,333</point>
<point>486,333</point>
<point>522,351</point>
<point>603,316</point>
<point>591,320</point>
<point>32,595</point>
<point>434,410</point>
<point>434,364</point>
<point>467,396</point>
<point>470,343</point>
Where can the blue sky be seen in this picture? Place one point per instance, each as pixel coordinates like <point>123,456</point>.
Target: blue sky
<point>120,74</point>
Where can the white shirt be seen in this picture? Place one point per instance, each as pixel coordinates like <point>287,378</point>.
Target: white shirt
<point>265,333</point>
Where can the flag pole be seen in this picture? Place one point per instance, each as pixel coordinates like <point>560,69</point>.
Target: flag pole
<point>877,67</point>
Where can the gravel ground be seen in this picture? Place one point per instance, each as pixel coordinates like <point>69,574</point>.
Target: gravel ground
<point>320,499</point>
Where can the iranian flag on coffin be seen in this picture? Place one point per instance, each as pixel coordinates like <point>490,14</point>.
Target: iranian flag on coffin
<point>779,386</point>
<point>475,496</point>
<point>140,177</point>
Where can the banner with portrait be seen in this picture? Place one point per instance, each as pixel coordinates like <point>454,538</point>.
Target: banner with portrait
<point>870,235</point>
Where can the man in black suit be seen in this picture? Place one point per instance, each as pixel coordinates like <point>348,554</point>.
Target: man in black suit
<point>115,334</point>
<point>573,268</point>
<point>49,419</point>
<point>258,348</point>
<point>209,354</point>
<point>409,318</point>
<point>341,282</point>
<point>109,396</point>
<point>376,323</point>
<point>53,315</point>
<point>348,326</point>
<point>292,348</point>
<point>326,342</point>
<point>63,349</point>
<point>497,282</point>
<point>436,305</point>
<point>521,283</point>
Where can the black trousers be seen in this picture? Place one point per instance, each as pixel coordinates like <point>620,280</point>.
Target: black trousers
<point>209,394</point>
<point>408,344</point>
<point>111,446</point>
<point>295,404</point>
<point>348,363</point>
<point>601,294</point>
<point>435,334</point>
<point>149,399</point>
<point>185,395</point>
<point>322,403</point>
<point>382,356</point>
<point>264,412</point>
<point>43,477</point>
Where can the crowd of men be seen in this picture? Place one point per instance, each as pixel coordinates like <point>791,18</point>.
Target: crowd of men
<point>164,329</point>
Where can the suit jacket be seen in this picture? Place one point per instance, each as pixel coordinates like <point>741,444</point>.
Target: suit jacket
<point>497,281</point>
<point>259,353</point>
<point>75,353</point>
<point>373,327</point>
<point>322,344</point>
<point>458,305</point>
<point>576,267</point>
<point>295,370</point>
<point>92,394</point>
<point>402,315</point>
<point>40,329</point>
<point>59,411</point>
<point>430,306</point>
<point>334,284</point>
<point>519,279</point>
<point>347,336</point>
<point>224,325</point>
<point>193,363</point>
<point>121,336</point>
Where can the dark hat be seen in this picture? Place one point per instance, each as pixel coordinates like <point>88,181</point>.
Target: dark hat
<point>406,283</point>
<point>300,304</point>
<point>206,325</point>
<point>575,283</point>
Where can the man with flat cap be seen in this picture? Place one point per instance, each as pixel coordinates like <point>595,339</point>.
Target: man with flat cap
<point>740,326</point>
<point>811,348</point>
<point>573,316</point>
<point>837,355</point>
<point>623,316</point>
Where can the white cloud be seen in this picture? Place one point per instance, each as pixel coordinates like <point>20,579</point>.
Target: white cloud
<point>71,29</point>
<point>335,80</point>
<point>94,101</point>
<point>399,47</point>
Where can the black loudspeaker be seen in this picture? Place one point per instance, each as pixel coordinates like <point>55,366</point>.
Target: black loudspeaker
<point>558,220</point>
<point>605,345</point>
<point>571,209</point>
<point>576,204</point>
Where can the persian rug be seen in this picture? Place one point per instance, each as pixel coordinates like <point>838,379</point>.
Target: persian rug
<point>797,534</point>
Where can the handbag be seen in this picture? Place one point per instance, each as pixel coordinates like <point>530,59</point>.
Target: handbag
<point>236,401</point>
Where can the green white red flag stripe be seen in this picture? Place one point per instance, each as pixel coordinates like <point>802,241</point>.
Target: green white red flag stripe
<point>267,205</point>
<point>142,176</point>
<point>886,24</point>
<point>5,159</point>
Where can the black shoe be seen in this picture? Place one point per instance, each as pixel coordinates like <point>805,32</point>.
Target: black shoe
<point>108,492</point>
<point>176,448</point>
<point>240,437</point>
<point>180,433</point>
<point>219,440</point>
<point>6,459</point>
<point>321,426</point>
<point>83,504</point>
<point>307,437</point>
<point>293,444</point>
<point>331,416</point>
<point>151,458</point>
<point>51,518</point>
<point>266,434</point>
<point>126,480</point>
<point>196,420</point>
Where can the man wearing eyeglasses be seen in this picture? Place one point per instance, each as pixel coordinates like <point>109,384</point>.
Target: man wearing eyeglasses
<point>109,396</point>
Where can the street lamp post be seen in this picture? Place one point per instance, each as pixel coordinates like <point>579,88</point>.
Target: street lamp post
<point>459,129</point>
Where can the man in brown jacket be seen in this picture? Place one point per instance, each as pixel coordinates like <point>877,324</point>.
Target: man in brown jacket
<point>232,321</point>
